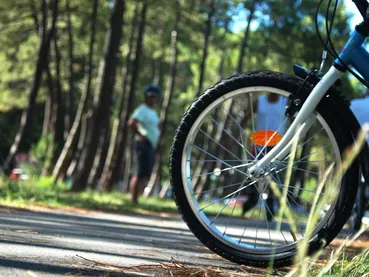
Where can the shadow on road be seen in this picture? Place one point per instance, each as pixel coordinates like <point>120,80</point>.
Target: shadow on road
<point>54,242</point>
<point>36,240</point>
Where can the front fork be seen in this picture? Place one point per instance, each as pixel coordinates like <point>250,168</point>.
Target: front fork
<point>301,124</point>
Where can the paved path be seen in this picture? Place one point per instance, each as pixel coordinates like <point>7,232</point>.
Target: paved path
<point>58,243</point>
<point>55,243</point>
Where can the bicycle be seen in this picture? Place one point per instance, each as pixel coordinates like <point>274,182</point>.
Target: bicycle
<point>211,159</point>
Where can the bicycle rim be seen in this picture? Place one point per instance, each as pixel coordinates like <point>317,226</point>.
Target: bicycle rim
<point>216,194</point>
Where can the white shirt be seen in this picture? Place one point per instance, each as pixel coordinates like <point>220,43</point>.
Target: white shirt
<point>270,116</point>
<point>360,107</point>
<point>148,123</point>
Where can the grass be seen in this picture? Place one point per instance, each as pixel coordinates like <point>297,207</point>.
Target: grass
<point>41,193</point>
<point>358,266</point>
<point>346,266</point>
<point>337,264</point>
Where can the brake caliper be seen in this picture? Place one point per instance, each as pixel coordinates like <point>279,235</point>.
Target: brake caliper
<point>295,101</point>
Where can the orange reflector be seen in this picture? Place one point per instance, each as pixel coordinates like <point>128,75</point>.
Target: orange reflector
<point>265,137</point>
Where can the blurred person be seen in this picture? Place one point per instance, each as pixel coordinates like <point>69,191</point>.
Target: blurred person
<point>145,124</point>
<point>269,110</point>
<point>360,107</point>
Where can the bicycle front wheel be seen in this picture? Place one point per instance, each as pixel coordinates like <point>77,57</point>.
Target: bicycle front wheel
<point>226,131</point>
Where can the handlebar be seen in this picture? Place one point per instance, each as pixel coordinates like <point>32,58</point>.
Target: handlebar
<point>362,6</point>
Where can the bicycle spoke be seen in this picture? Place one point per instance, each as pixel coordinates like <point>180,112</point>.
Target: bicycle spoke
<point>306,141</point>
<point>270,139</point>
<point>271,213</point>
<point>286,162</point>
<point>228,195</point>
<point>257,229</point>
<point>292,198</point>
<point>220,170</point>
<point>302,189</point>
<point>230,135</point>
<point>252,112</point>
<point>279,183</point>
<point>308,171</point>
<point>288,191</point>
<point>210,190</point>
<point>231,215</point>
<point>206,152</point>
<point>310,154</point>
<point>229,152</point>
<point>267,223</point>
<point>216,161</point>
<point>244,230</point>
<point>240,129</point>
<point>296,162</point>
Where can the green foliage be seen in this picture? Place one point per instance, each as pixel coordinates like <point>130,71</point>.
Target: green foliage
<point>9,125</point>
<point>280,36</point>
<point>39,150</point>
<point>358,266</point>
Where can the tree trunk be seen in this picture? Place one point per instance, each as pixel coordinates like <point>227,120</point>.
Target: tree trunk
<point>35,13</point>
<point>207,35</point>
<point>86,122</point>
<point>103,95</point>
<point>218,151</point>
<point>122,102</point>
<point>127,66</point>
<point>246,37</point>
<point>127,166</point>
<point>48,117</point>
<point>126,71</point>
<point>69,103</point>
<point>34,16</point>
<point>217,133</point>
<point>205,49</point>
<point>48,102</point>
<point>40,66</point>
<point>100,157</point>
<point>157,62</point>
<point>47,114</point>
<point>56,126</point>
<point>224,52</point>
<point>66,155</point>
<point>116,150</point>
<point>165,107</point>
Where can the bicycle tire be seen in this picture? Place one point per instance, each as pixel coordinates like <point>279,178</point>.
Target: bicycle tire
<point>348,186</point>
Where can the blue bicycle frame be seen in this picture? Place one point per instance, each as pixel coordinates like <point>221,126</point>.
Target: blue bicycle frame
<point>355,54</point>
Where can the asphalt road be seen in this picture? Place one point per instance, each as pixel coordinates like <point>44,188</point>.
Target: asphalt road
<point>56,243</point>
<point>46,242</point>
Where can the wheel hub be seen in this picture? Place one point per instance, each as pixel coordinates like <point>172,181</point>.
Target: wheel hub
<point>257,171</point>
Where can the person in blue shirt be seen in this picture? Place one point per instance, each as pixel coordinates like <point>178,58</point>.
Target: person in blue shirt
<point>145,124</point>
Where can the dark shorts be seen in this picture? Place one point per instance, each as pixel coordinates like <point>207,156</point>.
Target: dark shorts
<point>144,153</point>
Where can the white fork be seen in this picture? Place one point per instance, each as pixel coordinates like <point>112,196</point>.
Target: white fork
<point>300,125</point>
